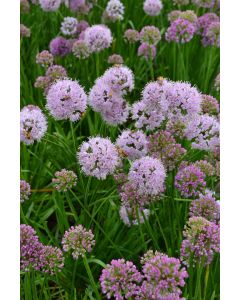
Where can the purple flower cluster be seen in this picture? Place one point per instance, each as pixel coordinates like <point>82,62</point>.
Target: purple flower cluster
<point>97,38</point>
<point>150,35</point>
<point>120,280</point>
<point>190,181</point>
<point>152,7</point>
<point>205,167</point>
<point>115,59</point>
<point>44,58</point>
<point>24,31</point>
<point>33,124</point>
<point>78,241</point>
<point>64,180</point>
<point>131,35</point>
<point>24,6</point>
<point>98,157</point>
<point>25,190</point>
<point>59,46</point>
<point>212,35</point>
<point>66,99</point>
<point>204,3</point>
<point>201,241</point>
<point>210,105</point>
<point>80,49</point>
<point>204,21</point>
<point>114,11</point>
<point>50,5</point>
<point>80,6</point>
<point>180,31</point>
<point>52,260</point>
<point>147,51</point>
<point>133,215</point>
<point>69,26</point>
<point>186,15</point>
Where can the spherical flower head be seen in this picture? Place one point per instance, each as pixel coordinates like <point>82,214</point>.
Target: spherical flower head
<point>115,59</point>
<point>69,26</point>
<point>148,52</point>
<point>30,249</point>
<point>24,6</point>
<point>190,16</point>
<point>201,241</point>
<point>164,274</point>
<point>217,83</point>
<point>205,20</point>
<point>110,104</point>
<point>120,280</point>
<point>25,190</point>
<point>133,144</point>
<point>119,78</point>
<point>114,10</point>
<point>212,35</point>
<point>174,15</point>
<point>131,35</point>
<point>133,216</point>
<point>205,167</point>
<point>210,105</point>
<point>163,145</point>
<point>33,124</point>
<point>150,35</point>
<point>66,99</point>
<point>152,7</point>
<point>98,157</point>
<point>181,2</point>
<point>190,181</point>
<point>203,131</point>
<point>82,26</point>
<point>42,82</point>
<point>56,72</point>
<point>65,180</point>
<point>44,58</point>
<point>24,31</point>
<point>147,175</point>
<point>204,3</point>
<point>80,49</point>
<point>207,207</point>
<point>60,46</point>
<point>180,31</point>
<point>52,260</point>
<point>80,6</point>
<point>50,5</point>
<point>97,38</point>
<point>78,241</point>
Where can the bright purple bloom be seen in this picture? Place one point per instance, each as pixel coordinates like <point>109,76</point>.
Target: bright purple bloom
<point>52,260</point>
<point>69,26</point>
<point>150,35</point>
<point>209,105</point>
<point>131,35</point>
<point>120,280</point>
<point>50,5</point>
<point>60,46</point>
<point>65,180</point>
<point>149,52</point>
<point>44,58</point>
<point>152,7</point>
<point>205,167</point>
<point>78,241</point>
<point>82,26</point>
<point>33,124</point>
<point>114,10</point>
<point>80,6</point>
<point>205,20</point>
<point>212,35</point>
<point>180,31</point>
<point>98,157</point>
<point>25,190</point>
<point>147,176</point>
<point>66,99</point>
<point>97,38</point>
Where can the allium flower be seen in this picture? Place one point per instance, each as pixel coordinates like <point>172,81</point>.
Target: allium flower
<point>217,83</point>
<point>60,46</point>
<point>181,2</point>
<point>98,157</point>
<point>204,3</point>
<point>119,78</point>
<point>42,82</point>
<point>174,15</point>
<point>190,181</point>
<point>56,72</point>
<point>33,124</point>
<point>97,38</point>
<point>209,105</point>
<point>44,58</point>
<point>150,35</point>
<point>152,7</point>
<point>163,276</point>
<point>30,249</point>
<point>205,20</point>
<point>180,31</point>
<point>164,146</point>
<point>206,206</point>
<point>190,16</point>
<point>110,104</point>
<point>24,6</point>
<point>147,175</point>
<point>203,131</point>
<point>115,59</point>
<point>50,5</point>
<point>149,52</point>
<point>66,99</point>
<point>24,31</point>
<point>133,216</point>
<point>176,126</point>
<point>114,10</point>
<point>120,280</point>
<point>202,241</point>
<point>52,260</point>
<point>69,26</point>
<point>133,143</point>
<point>80,49</point>
<point>131,35</point>
<point>78,241</point>
<point>212,35</point>
<point>25,190</point>
<point>64,180</point>
<point>205,167</point>
<point>82,26</point>
<point>80,6</point>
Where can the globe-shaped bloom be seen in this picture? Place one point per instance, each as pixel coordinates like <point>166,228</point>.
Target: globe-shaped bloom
<point>204,3</point>
<point>80,49</point>
<point>44,58</point>
<point>180,31</point>
<point>24,31</point>
<point>60,46</point>
<point>114,10</point>
<point>25,190</point>
<point>150,35</point>
<point>33,124</point>
<point>212,35</point>
<point>69,26</point>
<point>64,180</point>
<point>52,260</point>
<point>131,35</point>
<point>66,99</point>
<point>115,59</point>
<point>97,38</point>
<point>152,7</point>
<point>98,157</point>
<point>209,105</point>
<point>147,175</point>
<point>50,5</point>
<point>204,21</point>
<point>148,52</point>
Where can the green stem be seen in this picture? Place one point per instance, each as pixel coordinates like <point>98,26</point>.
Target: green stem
<point>73,278</point>
<point>73,136</point>
<point>97,65</point>
<point>206,283</point>
<point>197,295</point>
<point>90,276</point>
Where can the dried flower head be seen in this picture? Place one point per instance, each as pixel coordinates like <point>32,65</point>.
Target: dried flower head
<point>204,3</point>
<point>80,49</point>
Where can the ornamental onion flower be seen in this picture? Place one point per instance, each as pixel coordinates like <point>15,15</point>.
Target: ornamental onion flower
<point>180,31</point>
<point>131,35</point>
<point>152,7</point>
<point>80,6</point>
<point>186,15</point>
<point>44,58</point>
<point>33,124</point>
<point>78,241</point>
<point>120,280</point>
<point>60,46</point>
<point>50,5</point>
<point>25,190</point>
<point>98,157</point>
<point>66,99</point>
<point>97,38</point>
<point>65,180</point>
<point>80,49</point>
<point>69,26</point>
<point>204,21</point>
<point>204,3</point>
<point>115,59</point>
<point>148,52</point>
<point>212,35</point>
<point>209,105</point>
<point>52,260</point>
<point>24,6</point>
<point>205,167</point>
<point>150,35</point>
<point>24,31</point>
<point>114,10</point>
<point>147,176</point>
<point>82,26</point>
<point>55,72</point>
